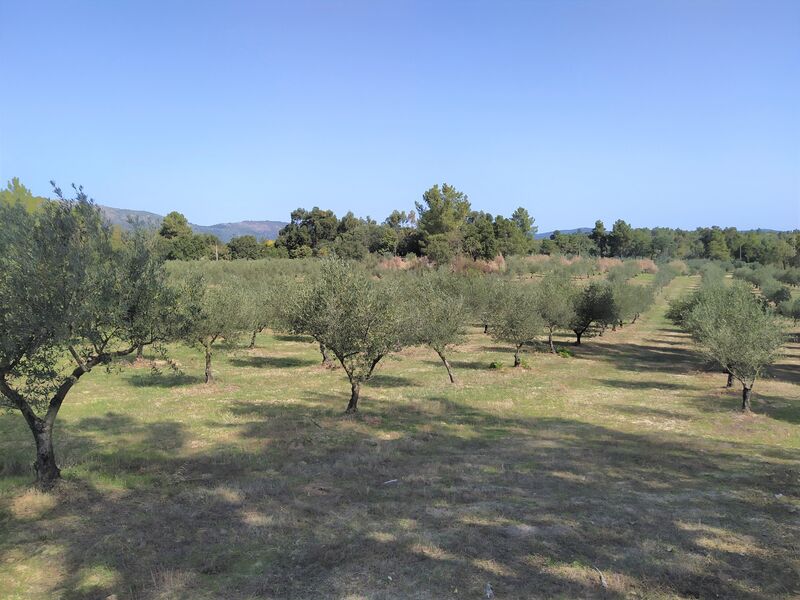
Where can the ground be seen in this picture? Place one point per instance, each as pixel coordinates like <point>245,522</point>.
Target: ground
<point>625,471</point>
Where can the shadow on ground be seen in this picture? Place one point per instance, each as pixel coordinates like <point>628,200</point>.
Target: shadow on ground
<point>316,505</point>
<point>274,362</point>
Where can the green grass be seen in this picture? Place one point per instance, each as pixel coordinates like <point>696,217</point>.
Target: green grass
<point>629,458</point>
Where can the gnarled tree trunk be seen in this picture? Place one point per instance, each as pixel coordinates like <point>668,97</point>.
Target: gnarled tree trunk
<point>47,472</point>
<point>140,352</point>
<point>446,365</point>
<point>517,360</point>
<point>355,390</point>
<point>746,390</point>
<point>730,380</point>
<point>326,357</point>
<point>578,335</point>
<point>550,341</point>
<point>253,339</point>
<point>209,374</point>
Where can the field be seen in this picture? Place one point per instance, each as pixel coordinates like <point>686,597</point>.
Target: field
<point>625,471</point>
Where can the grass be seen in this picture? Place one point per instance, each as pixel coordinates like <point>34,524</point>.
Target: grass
<point>628,460</point>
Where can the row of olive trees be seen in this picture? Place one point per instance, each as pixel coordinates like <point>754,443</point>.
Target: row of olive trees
<point>520,311</point>
<point>360,319</point>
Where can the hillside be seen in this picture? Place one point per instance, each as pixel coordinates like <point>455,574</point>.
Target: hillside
<point>546,234</point>
<point>262,230</point>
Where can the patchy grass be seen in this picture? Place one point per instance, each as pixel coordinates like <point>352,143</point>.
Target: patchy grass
<point>622,472</point>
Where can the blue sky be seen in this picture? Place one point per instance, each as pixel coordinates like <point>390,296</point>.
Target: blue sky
<point>679,113</point>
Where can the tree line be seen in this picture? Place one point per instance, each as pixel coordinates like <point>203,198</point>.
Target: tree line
<point>444,225</point>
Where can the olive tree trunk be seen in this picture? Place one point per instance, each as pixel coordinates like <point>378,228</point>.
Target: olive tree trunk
<point>47,471</point>
<point>253,339</point>
<point>209,374</point>
<point>355,390</point>
<point>326,357</point>
<point>517,361</point>
<point>746,391</point>
<point>550,341</point>
<point>446,365</point>
<point>140,352</point>
<point>578,334</point>
<point>730,380</point>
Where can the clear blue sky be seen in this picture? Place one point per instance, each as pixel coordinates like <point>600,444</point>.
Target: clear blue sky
<point>678,113</point>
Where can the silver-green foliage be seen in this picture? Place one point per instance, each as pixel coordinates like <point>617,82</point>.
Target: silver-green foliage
<point>440,312</point>
<point>733,327</point>
<point>70,301</point>
<point>357,318</point>
<point>556,303</point>
<point>518,320</point>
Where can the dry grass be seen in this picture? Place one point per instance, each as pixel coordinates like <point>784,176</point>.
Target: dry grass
<point>628,461</point>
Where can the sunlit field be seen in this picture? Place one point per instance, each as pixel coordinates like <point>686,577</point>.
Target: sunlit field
<point>625,471</point>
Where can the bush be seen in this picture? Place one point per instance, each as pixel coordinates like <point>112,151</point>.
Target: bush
<point>647,266</point>
<point>790,276</point>
<point>777,293</point>
<point>790,309</point>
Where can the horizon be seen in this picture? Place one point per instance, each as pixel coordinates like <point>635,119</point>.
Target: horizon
<point>680,116</point>
<point>539,229</point>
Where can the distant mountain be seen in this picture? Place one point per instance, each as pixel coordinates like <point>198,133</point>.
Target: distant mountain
<point>545,235</point>
<point>262,230</point>
<point>125,218</point>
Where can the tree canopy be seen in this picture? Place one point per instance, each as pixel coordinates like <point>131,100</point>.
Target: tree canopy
<point>70,301</point>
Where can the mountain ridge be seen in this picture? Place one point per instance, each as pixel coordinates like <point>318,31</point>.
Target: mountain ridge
<point>262,230</point>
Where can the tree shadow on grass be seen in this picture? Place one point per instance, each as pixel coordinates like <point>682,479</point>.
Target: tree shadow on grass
<point>785,372</point>
<point>729,401</point>
<point>502,349</point>
<point>385,380</point>
<point>163,379</point>
<point>646,385</point>
<point>438,502</point>
<point>648,411</point>
<point>292,337</point>
<point>477,365</point>
<point>642,358</point>
<point>275,362</point>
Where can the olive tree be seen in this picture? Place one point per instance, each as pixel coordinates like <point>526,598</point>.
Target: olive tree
<point>212,311</point>
<point>556,303</point>
<point>790,310</point>
<point>441,315</point>
<point>733,328</point>
<point>517,320</point>
<point>594,304</point>
<point>69,301</point>
<point>357,318</point>
<point>263,297</point>
<point>631,300</point>
<point>481,293</point>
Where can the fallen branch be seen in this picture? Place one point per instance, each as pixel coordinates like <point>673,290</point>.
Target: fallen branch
<point>603,581</point>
